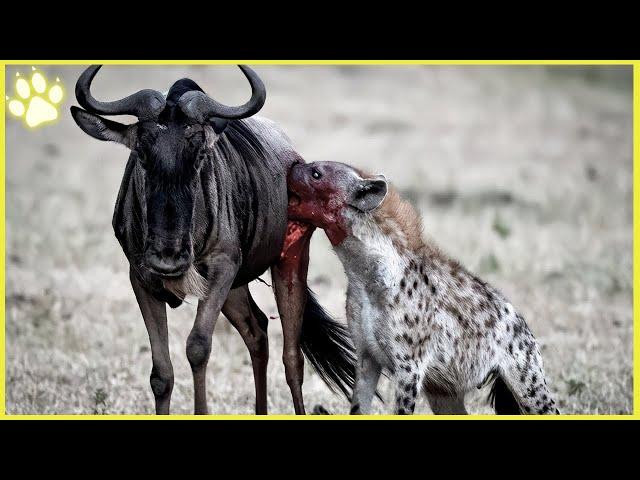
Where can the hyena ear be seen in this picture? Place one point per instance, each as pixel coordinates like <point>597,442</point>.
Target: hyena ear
<point>103,129</point>
<point>369,193</point>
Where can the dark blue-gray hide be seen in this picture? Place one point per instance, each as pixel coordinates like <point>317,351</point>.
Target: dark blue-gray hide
<point>242,200</point>
<point>202,210</point>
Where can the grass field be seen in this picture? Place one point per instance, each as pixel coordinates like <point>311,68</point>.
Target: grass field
<point>522,173</point>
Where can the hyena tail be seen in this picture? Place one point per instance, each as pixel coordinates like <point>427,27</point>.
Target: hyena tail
<point>502,400</point>
<point>328,346</point>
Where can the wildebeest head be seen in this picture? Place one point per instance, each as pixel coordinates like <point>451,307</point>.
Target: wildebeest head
<point>172,137</point>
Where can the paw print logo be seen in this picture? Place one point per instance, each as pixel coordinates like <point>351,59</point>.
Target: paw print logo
<point>36,102</point>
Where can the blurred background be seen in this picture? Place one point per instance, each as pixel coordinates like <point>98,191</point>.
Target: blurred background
<point>524,174</point>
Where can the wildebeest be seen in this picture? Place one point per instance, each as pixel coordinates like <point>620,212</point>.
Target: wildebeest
<point>202,210</point>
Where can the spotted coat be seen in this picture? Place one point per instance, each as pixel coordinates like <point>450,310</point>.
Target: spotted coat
<point>412,310</point>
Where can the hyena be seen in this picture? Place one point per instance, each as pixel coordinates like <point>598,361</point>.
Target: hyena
<point>412,310</point>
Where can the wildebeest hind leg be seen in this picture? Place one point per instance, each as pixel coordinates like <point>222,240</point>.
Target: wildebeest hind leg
<point>251,323</point>
<point>290,284</point>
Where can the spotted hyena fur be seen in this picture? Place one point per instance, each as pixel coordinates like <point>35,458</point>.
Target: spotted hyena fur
<point>435,325</point>
<point>438,328</point>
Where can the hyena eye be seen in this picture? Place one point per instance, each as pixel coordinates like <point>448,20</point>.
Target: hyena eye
<point>316,174</point>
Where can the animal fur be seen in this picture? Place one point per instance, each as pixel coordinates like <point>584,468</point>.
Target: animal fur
<point>191,283</point>
<point>414,311</point>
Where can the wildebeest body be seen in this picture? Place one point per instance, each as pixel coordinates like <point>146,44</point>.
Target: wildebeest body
<point>242,200</point>
<point>202,210</point>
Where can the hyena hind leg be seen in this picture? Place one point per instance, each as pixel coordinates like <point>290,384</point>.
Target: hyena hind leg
<point>524,377</point>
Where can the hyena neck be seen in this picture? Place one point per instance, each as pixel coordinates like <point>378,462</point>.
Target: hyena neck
<point>391,234</point>
<point>399,221</point>
<point>394,222</point>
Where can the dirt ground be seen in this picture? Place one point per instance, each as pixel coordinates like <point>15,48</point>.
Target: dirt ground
<point>522,173</point>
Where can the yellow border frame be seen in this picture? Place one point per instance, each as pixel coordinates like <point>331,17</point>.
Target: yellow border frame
<point>636,236</point>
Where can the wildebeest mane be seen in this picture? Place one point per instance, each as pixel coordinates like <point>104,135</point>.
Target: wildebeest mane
<point>244,139</point>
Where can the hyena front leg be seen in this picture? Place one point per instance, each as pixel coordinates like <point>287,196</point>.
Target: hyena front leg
<point>367,375</point>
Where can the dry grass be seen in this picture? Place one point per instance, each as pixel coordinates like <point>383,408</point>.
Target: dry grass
<point>523,174</point>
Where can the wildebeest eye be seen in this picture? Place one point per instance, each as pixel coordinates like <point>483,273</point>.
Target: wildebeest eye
<point>316,174</point>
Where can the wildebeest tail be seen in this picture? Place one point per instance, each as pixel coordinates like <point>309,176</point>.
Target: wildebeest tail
<point>502,399</point>
<point>328,346</point>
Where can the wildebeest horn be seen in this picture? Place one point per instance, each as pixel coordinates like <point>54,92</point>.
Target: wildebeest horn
<point>145,104</point>
<point>200,107</point>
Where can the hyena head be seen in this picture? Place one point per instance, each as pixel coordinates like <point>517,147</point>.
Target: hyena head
<point>332,195</point>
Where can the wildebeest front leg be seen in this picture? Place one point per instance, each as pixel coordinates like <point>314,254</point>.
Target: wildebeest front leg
<point>222,271</point>
<point>155,319</point>
<point>290,286</point>
<point>251,323</point>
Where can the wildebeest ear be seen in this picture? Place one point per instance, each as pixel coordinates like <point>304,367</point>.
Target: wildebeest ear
<point>103,129</point>
<point>369,193</point>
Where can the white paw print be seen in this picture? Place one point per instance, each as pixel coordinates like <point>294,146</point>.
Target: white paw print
<point>36,101</point>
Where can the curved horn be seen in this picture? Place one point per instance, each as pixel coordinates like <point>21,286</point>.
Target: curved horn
<point>145,104</point>
<point>200,107</point>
